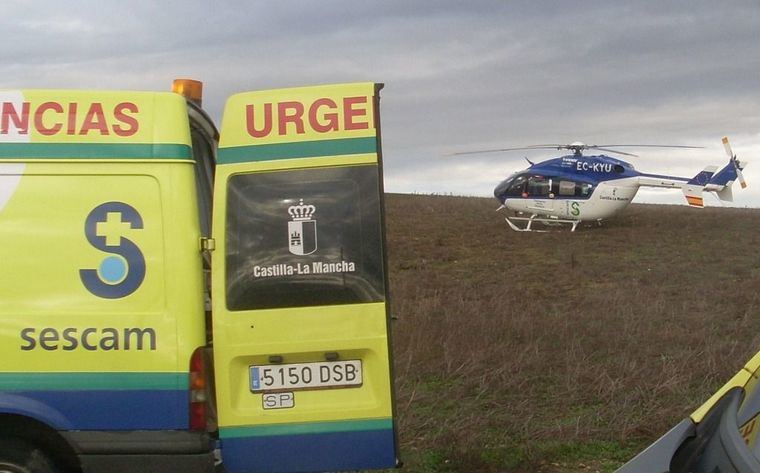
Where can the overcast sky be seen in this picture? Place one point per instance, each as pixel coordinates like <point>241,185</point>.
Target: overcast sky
<point>459,75</point>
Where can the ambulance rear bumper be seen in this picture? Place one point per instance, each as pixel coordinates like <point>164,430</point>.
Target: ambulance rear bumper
<point>191,463</point>
<point>143,451</point>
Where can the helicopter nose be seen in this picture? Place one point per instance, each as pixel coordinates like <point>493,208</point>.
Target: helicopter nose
<point>500,190</point>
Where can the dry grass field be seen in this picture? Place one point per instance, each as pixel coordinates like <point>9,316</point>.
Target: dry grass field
<point>544,352</point>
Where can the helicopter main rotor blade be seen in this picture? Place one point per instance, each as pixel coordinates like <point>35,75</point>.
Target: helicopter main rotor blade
<point>614,151</point>
<point>577,147</point>
<point>608,148</point>
<point>499,150</point>
<point>651,146</point>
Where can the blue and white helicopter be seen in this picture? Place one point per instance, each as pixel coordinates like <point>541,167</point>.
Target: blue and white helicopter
<point>575,188</point>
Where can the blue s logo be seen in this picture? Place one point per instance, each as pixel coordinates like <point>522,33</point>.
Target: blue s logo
<point>120,274</point>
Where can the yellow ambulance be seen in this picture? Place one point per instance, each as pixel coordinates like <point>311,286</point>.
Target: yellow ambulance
<point>721,436</point>
<point>173,298</point>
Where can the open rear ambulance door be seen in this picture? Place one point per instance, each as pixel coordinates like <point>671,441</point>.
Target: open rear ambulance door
<point>299,283</point>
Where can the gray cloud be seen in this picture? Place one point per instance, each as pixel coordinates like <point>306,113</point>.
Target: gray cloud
<point>459,75</point>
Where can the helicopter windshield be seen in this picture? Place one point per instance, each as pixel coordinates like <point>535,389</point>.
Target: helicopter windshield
<point>527,184</point>
<point>501,189</point>
<point>540,186</point>
<point>518,185</point>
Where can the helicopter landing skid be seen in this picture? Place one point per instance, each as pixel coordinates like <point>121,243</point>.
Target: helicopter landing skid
<point>536,218</point>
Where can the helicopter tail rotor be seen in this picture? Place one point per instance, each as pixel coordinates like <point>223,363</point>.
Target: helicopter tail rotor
<point>721,182</point>
<point>738,165</point>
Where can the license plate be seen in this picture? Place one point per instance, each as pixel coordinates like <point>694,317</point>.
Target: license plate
<point>323,374</point>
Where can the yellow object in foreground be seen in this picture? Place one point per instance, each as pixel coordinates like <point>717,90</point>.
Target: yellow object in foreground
<point>721,435</point>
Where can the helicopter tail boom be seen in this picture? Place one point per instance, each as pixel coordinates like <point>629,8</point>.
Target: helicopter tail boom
<point>708,180</point>
<point>722,181</point>
<point>692,190</point>
<point>704,176</point>
<point>727,175</point>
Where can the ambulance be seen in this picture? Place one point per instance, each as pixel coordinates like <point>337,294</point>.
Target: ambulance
<point>721,436</point>
<point>175,298</point>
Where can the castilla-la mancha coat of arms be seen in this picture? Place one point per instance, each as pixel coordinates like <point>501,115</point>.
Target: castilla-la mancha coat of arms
<point>302,230</point>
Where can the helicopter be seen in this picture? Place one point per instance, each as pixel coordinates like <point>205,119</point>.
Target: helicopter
<point>579,188</point>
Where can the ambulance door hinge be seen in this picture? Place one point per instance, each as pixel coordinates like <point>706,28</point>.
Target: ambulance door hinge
<point>208,244</point>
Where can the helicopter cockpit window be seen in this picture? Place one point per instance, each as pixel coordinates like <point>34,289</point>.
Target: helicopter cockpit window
<point>566,188</point>
<point>584,190</point>
<point>538,186</point>
<point>517,186</point>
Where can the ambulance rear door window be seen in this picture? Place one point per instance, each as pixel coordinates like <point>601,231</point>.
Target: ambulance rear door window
<point>305,237</point>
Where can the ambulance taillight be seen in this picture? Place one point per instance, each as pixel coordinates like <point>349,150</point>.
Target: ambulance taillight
<point>201,411</point>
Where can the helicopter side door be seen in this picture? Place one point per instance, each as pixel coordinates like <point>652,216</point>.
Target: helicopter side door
<point>539,193</point>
